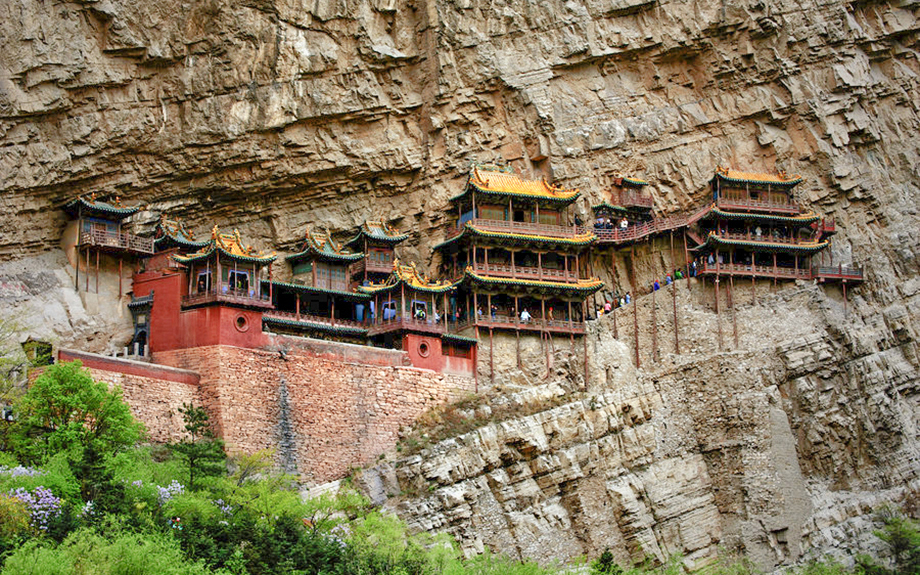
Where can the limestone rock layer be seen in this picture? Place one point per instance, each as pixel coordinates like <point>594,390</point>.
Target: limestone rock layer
<point>275,116</point>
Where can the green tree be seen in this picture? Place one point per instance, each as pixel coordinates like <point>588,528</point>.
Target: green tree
<point>66,412</point>
<point>201,449</point>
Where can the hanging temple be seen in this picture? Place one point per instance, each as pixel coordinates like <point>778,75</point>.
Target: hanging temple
<point>518,260</point>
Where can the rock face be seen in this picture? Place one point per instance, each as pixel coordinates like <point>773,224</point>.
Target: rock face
<point>779,449</point>
<point>277,115</point>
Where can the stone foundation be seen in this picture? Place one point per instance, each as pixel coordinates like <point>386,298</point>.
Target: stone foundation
<point>322,412</point>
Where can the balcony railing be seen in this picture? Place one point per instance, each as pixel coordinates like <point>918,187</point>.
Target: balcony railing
<point>116,240</point>
<point>745,203</point>
<point>505,321</point>
<point>319,319</point>
<point>510,227</point>
<point>765,238</point>
<point>838,272</point>
<point>628,198</point>
<point>380,266</point>
<point>755,270</point>
<point>639,231</point>
<point>526,272</point>
<point>407,321</point>
<point>226,294</point>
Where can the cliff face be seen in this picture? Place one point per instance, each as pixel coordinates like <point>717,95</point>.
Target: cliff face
<point>277,115</point>
<point>780,448</point>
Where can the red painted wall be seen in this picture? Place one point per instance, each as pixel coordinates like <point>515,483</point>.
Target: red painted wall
<point>434,357</point>
<point>174,328</point>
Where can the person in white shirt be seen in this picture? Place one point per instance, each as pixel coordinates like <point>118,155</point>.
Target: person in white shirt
<point>525,316</point>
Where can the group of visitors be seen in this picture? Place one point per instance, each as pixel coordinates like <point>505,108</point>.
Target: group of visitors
<point>603,223</point>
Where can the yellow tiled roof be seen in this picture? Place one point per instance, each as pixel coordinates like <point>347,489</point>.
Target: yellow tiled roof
<point>513,184</point>
<point>410,275</point>
<point>780,178</point>
<point>231,244</point>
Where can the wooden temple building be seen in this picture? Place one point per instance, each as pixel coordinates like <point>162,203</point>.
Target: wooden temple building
<point>97,228</point>
<point>755,229</point>
<point>519,262</point>
<point>516,261</point>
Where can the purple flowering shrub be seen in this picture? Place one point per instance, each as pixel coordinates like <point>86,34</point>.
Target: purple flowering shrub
<point>43,506</point>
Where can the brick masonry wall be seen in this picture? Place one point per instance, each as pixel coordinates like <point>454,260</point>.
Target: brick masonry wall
<point>155,393</point>
<point>336,415</point>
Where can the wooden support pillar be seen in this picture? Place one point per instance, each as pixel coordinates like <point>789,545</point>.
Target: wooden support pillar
<point>402,301</point>
<point>489,312</point>
<point>444,311</point>
<point>571,325</point>
<point>775,271</point>
<point>297,307</point>
<point>540,265</point>
<point>86,288</point>
<point>635,304</point>
<point>753,281</point>
<point>731,303</point>
<point>76,260</point>
<point>120,273</point>
<point>474,313</point>
<point>654,327</point>
<point>332,309</point>
<point>676,326</point>
<point>844,299</point>
<point>718,315</point>
<point>584,339</point>
<point>517,332</point>
<point>491,358</point>
<point>687,259</point>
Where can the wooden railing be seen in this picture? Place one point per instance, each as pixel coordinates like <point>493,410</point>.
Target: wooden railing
<point>226,294</point>
<point>506,321</point>
<point>762,205</point>
<point>838,272</point>
<point>526,272</point>
<point>121,241</point>
<point>627,198</point>
<point>793,241</point>
<point>407,321</point>
<point>305,317</point>
<point>755,270</point>
<point>371,266</point>
<point>639,231</point>
<point>510,227</point>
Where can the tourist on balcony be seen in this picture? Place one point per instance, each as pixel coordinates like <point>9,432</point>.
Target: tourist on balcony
<point>549,314</point>
<point>678,275</point>
<point>624,223</point>
<point>693,269</point>
<point>599,223</point>
<point>479,312</point>
<point>621,302</point>
<point>437,317</point>
<point>494,311</point>
<point>525,316</point>
<point>758,232</point>
<point>711,260</point>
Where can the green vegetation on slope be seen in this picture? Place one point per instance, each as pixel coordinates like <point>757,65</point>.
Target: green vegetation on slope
<point>78,495</point>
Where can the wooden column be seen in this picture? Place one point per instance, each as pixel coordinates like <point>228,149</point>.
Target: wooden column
<point>718,316</point>
<point>402,300</point>
<point>120,273</point>
<point>674,294</point>
<point>332,309</point>
<point>513,270</point>
<point>584,339</point>
<point>86,289</point>
<point>297,306</point>
<point>540,264</point>
<point>844,284</point>
<point>731,303</point>
<point>489,312</point>
<point>517,331</point>
<point>635,304</point>
<point>775,271</point>
<point>654,327</point>
<point>491,357</point>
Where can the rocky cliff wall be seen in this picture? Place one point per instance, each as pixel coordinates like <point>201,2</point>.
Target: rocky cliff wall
<point>780,448</point>
<point>278,115</point>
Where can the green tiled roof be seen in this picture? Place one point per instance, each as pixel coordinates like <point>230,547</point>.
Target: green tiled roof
<point>583,239</point>
<point>345,330</point>
<point>319,246</point>
<point>803,219</point>
<point>765,246</point>
<point>585,287</point>
<point>311,289</point>
<point>102,209</point>
<point>379,232</point>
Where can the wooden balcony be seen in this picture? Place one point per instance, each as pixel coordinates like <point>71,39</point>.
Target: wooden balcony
<point>372,266</point>
<point>407,323</point>
<point>526,273</point>
<point>226,295</point>
<point>745,203</point>
<point>502,321</point>
<point>763,238</point>
<point>640,231</point>
<point>509,227</point>
<point>116,242</point>
<point>837,273</point>
<point>631,199</point>
<point>747,270</point>
<point>316,319</point>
